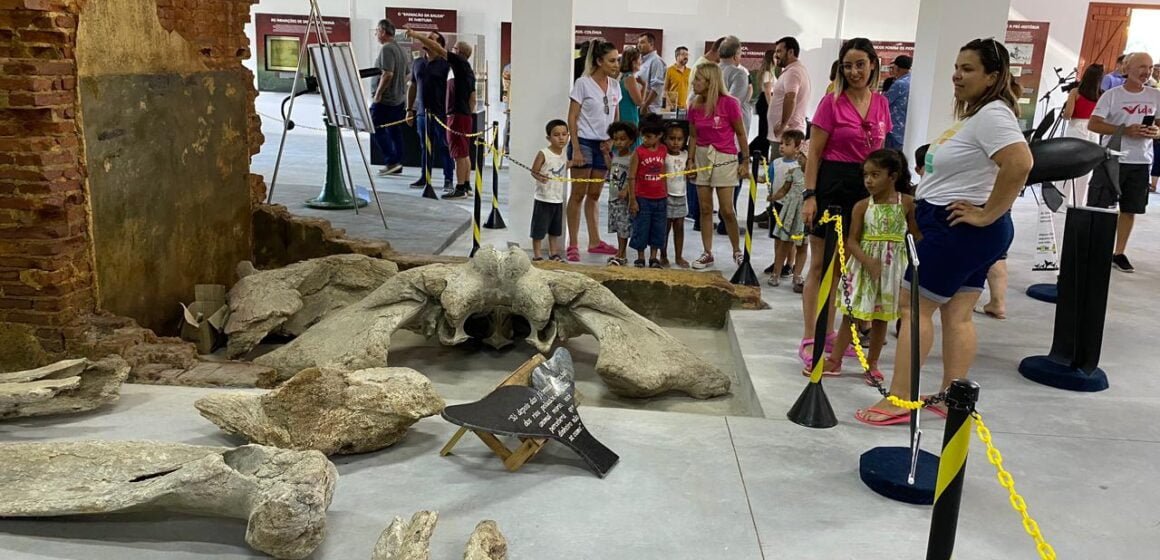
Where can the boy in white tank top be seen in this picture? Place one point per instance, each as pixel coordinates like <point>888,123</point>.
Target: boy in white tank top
<point>550,169</point>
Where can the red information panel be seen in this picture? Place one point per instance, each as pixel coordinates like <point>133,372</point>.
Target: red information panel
<point>279,38</point>
<point>422,19</point>
<point>1027,43</point>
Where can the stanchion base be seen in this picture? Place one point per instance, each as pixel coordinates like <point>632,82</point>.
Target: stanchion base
<point>495,220</point>
<point>813,409</point>
<point>429,192</point>
<point>321,204</point>
<point>745,275</point>
<point>1046,371</point>
<point>884,470</point>
<point>1047,293</point>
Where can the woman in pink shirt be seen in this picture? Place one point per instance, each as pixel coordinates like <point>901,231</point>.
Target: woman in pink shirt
<point>848,126</point>
<point>720,150</point>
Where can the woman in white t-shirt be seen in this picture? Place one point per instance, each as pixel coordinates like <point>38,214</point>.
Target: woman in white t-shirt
<point>974,172</point>
<point>595,102</point>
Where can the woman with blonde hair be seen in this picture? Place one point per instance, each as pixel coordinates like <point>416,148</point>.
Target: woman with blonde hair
<point>720,153</point>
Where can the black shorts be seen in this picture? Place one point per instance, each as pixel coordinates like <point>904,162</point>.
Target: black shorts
<point>547,219</point>
<point>839,184</point>
<point>1134,182</point>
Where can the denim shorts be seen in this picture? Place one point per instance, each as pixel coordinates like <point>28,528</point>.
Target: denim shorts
<point>593,156</point>
<point>955,259</point>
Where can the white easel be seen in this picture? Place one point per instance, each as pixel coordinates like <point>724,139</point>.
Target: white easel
<point>338,104</point>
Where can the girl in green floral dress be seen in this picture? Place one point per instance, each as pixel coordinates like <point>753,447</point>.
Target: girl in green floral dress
<point>877,243</point>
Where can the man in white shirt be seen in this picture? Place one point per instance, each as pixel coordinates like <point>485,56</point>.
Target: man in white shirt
<point>1127,106</point>
<point>652,73</point>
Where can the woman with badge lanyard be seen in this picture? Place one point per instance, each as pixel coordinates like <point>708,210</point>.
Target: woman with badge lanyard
<point>848,126</point>
<point>974,172</point>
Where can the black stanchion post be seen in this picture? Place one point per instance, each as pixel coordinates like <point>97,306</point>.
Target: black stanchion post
<point>478,200</point>
<point>812,408</point>
<point>428,155</point>
<point>905,474</point>
<point>745,275</point>
<point>961,399</point>
<point>495,219</point>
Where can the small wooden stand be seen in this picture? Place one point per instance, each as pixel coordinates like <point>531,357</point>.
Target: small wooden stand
<point>513,459</point>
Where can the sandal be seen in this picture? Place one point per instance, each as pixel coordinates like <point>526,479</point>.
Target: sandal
<point>537,259</point>
<point>876,374</point>
<point>935,410</point>
<point>613,261</point>
<point>639,263</point>
<point>556,258</point>
<point>850,351</point>
<point>653,263</point>
<point>832,368</point>
<point>573,253</point>
<point>799,285</point>
<point>892,419</point>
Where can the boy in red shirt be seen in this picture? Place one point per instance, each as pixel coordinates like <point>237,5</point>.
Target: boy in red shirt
<point>648,193</point>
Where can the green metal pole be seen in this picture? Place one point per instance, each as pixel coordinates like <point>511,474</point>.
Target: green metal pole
<point>334,195</point>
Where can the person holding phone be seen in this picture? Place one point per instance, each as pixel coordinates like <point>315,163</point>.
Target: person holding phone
<point>1133,107</point>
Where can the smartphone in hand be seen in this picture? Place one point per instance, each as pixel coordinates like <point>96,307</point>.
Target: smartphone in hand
<point>1149,120</point>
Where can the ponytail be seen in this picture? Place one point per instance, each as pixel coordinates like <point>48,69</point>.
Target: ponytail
<point>597,48</point>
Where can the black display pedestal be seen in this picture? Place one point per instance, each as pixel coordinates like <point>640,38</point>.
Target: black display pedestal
<point>1085,271</point>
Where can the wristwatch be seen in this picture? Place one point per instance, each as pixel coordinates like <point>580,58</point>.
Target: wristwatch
<point>808,194</point>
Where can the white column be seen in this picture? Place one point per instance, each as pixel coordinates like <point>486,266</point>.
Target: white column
<point>944,26</point>
<point>542,46</point>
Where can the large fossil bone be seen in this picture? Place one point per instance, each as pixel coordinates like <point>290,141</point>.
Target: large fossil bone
<point>637,358</point>
<point>282,494</point>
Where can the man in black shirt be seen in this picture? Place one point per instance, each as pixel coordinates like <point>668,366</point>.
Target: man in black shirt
<point>460,107</point>
<point>427,98</point>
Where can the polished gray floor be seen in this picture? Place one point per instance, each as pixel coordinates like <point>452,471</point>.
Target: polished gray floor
<point>717,484</point>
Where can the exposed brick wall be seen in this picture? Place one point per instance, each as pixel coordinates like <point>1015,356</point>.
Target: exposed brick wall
<point>46,279</point>
<point>217,30</point>
<point>46,247</point>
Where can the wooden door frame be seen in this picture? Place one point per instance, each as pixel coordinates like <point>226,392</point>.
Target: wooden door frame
<point>1082,62</point>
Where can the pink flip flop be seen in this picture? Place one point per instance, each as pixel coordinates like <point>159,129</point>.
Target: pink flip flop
<point>573,254</point>
<point>876,375</point>
<point>891,419</point>
<point>830,338</point>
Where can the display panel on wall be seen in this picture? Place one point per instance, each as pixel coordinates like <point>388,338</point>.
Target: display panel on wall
<point>622,37</point>
<point>421,19</point>
<point>280,44</point>
<point>1027,43</point>
<point>446,22</point>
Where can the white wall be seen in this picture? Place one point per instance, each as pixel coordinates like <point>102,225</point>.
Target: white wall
<point>692,22</point>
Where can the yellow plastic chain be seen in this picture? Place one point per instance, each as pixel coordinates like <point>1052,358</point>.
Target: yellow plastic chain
<point>856,337</point>
<point>1046,552</point>
<point>504,155</point>
<point>396,123</point>
<point>463,134</point>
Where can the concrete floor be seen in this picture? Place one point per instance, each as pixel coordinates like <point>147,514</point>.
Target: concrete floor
<point>724,486</point>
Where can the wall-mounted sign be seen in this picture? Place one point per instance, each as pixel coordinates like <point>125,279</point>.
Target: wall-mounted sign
<point>622,37</point>
<point>1027,43</point>
<point>422,19</point>
<point>279,38</point>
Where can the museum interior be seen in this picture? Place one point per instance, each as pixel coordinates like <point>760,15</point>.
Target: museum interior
<point>578,279</point>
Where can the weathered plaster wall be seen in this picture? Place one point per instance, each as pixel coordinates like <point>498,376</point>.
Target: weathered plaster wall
<point>168,127</point>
